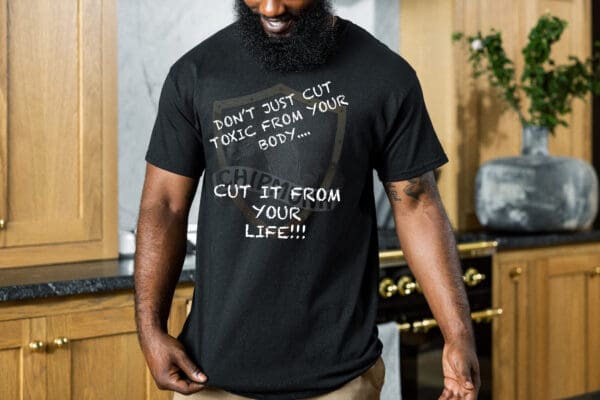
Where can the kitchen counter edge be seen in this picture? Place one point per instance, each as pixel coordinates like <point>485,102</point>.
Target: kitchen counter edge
<point>29,283</point>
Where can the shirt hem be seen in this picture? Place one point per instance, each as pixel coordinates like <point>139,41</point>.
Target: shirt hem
<point>304,394</point>
<point>401,176</point>
<point>171,168</point>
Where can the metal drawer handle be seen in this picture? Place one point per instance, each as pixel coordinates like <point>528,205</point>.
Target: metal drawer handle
<point>37,346</point>
<point>60,342</point>
<point>515,273</point>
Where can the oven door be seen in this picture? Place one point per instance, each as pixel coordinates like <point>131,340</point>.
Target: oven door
<point>421,342</point>
<point>421,367</point>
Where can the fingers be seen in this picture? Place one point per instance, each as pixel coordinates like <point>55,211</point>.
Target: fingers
<point>461,373</point>
<point>465,379</point>
<point>446,395</point>
<point>454,389</point>
<point>469,380</point>
<point>189,368</point>
<point>174,379</point>
<point>180,385</point>
<point>176,371</point>
<point>476,376</point>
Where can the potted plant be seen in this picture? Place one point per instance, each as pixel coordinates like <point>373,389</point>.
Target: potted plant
<point>535,191</point>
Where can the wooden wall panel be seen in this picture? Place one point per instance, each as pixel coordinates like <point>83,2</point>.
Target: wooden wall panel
<point>3,113</point>
<point>466,113</point>
<point>417,45</point>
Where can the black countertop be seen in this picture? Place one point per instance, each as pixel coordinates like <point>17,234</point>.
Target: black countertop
<point>27,283</point>
<point>506,241</point>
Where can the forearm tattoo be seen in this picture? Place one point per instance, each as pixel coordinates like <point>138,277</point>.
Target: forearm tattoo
<point>391,191</point>
<point>415,188</point>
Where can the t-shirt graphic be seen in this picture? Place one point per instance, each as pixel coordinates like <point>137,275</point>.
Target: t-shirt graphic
<point>278,151</point>
<point>287,268</point>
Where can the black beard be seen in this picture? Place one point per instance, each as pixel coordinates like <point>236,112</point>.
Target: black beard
<point>311,41</point>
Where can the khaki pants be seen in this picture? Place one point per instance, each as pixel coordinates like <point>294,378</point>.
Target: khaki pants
<point>364,387</point>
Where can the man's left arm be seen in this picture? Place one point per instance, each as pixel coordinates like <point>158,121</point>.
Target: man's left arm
<point>427,240</point>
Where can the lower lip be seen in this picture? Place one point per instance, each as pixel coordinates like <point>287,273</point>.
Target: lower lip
<point>277,28</point>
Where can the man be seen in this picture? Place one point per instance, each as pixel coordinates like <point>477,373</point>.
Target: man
<point>287,112</point>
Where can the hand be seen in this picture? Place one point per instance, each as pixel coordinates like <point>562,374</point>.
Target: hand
<point>166,359</point>
<point>461,371</point>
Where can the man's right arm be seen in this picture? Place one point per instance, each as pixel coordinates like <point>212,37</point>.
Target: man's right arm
<point>160,251</point>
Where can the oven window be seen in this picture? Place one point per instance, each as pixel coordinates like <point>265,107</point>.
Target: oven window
<point>421,355</point>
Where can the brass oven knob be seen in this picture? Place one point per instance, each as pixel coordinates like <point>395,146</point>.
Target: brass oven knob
<point>595,272</point>
<point>387,288</point>
<point>472,277</point>
<point>37,346</point>
<point>2,224</point>
<point>406,285</point>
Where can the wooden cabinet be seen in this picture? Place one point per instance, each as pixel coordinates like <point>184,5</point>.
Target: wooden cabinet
<point>18,363</point>
<point>101,359</point>
<point>58,130</point>
<point>78,348</point>
<point>547,343</point>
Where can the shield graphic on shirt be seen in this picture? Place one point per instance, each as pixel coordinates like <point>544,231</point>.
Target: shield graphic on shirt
<point>277,139</point>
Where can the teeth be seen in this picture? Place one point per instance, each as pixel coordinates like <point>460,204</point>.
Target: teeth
<point>276,24</point>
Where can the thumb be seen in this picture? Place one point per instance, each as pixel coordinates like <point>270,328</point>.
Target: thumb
<point>190,369</point>
<point>467,382</point>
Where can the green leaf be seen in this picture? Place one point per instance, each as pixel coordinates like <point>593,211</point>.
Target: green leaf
<point>550,88</point>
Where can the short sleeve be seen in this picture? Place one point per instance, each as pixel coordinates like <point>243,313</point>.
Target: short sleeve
<point>176,141</point>
<point>410,146</point>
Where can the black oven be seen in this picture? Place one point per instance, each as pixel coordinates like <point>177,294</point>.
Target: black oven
<point>421,342</point>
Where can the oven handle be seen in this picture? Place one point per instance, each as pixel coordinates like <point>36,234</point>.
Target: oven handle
<point>484,316</point>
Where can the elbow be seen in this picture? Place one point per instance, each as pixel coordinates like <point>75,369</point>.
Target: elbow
<point>164,208</point>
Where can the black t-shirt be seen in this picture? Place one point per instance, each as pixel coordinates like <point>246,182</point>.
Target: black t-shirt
<point>287,253</point>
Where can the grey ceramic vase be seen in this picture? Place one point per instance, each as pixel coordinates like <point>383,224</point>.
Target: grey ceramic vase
<point>536,192</point>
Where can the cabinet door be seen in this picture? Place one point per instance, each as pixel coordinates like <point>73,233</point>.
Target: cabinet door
<point>593,333</point>
<point>564,344</point>
<point>22,368</point>
<point>510,332</point>
<point>101,359</point>
<point>57,130</point>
